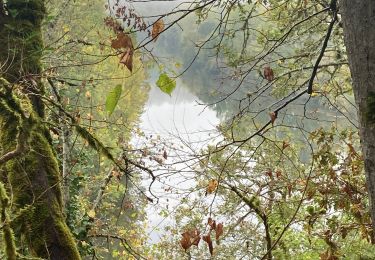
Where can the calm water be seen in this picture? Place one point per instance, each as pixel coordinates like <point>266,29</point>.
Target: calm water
<point>180,126</point>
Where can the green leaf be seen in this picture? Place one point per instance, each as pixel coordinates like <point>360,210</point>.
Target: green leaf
<point>112,99</point>
<point>13,12</point>
<point>166,84</point>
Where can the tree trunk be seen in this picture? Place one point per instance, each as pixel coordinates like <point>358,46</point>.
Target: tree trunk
<point>28,163</point>
<point>358,18</point>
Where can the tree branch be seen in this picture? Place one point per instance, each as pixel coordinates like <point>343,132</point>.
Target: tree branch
<point>123,241</point>
<point>262,215</point>
<point>20,148</point>
<point>324,47</point>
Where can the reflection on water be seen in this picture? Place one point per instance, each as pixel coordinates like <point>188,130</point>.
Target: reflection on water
<point>178,115</point>
<point>179,119</point>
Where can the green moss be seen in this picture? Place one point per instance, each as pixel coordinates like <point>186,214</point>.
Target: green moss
<point>10,246</point>
<point>94,142</point>
<point>33,176</point>
<point>35,182</point>
<point>21,33</point>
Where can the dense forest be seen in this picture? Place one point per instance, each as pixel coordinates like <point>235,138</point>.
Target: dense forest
<point>173,129</point>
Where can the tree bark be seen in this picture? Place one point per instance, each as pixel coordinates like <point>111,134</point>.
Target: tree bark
<point>31,171</point>
<point>358,18</point>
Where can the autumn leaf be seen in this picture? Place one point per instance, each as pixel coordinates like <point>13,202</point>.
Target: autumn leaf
<point>126,58</point>
<point>124,44</point>
<point>212,223</point>
<point>268,73</point>
<point>219,231</point>
<point>165,156</point>
<point>212,186</point>
<point>195,237</point>
<point>189,238</point>
<point>157,28</point>
<point>185,241</point>
<point>285,145</point>
<point>273,116</point>
<point>278,173</point>
<point>91,213</point>
<point>158,159</point>
<point>290,188</point>
<point>207,239</point>
<point>123,41</point>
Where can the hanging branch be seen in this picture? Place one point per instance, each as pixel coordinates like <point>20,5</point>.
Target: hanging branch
<point>262,215</point>
<point>98,146</point>
<point>123,241</point>
<point>324,47</point>
<point>107,179</point>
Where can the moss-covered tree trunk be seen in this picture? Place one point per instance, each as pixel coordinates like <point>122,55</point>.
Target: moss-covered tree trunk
<point>27,161</point>
<point>358,18</point>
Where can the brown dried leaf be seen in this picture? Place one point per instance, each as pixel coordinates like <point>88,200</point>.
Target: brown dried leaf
<point>207,239</point>
<point>268,73</point>
<point>212,186</point>
<point>158,159</point>
<point>189,238</point>
<point>219,231</point>
<point>123,41</point>
<point>285,145</point>
<point>145,152</point>
<point>185,241</point>
<point>212,223</point>
<point>126,58</point>
<point>195,237</point>
<point>157,28</point>
<point>290,188</point>
<point>273,116</point>
<point>165,154</point>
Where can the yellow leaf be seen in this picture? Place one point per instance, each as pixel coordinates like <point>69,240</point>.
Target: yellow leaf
<point>212,186</point>
<point>91,213</point>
